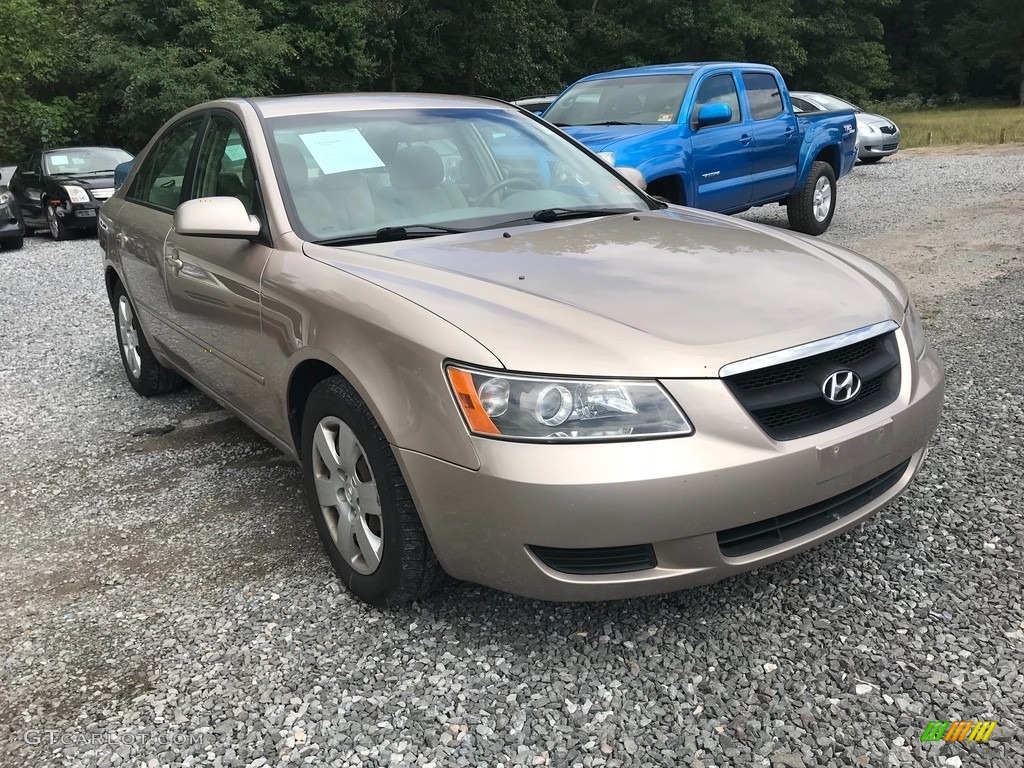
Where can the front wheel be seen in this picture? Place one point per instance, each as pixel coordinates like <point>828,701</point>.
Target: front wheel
<point>12,243</point>
<point>360,503</point>
<point>811,209</point>
<point>145,373</point>
<point>870,160</point>
<point>58,231</point>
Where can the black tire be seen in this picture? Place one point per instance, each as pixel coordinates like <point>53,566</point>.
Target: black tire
<point>408,569</point>
<point>12,243</point>
<point>152,377</point>
<point>58,230</point>
<point>870,160</point>
<point>800,207</point>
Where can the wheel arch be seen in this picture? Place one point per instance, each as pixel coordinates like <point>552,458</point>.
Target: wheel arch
<point>830,155</point>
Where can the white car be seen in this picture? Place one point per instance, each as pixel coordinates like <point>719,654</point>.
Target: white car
<point>877,136</point>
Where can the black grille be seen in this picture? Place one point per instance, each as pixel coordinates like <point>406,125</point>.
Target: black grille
<point>889,147</point>
<point>754,537</point>
<point>786,400</point>
<point>890,129</point>
<point>639,557</point>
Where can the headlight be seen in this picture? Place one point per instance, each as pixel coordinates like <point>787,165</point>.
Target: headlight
<point>915,330</point>
<point>6,197</point>
<point>554,409</point>
<point>76,194</point>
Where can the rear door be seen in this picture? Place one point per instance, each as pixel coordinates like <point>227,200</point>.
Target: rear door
<point>213,283</point>
<point>776,146</point>
<point>721,153</point>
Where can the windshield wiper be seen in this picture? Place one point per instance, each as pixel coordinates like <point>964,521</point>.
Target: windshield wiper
<point>547,215</point>
<point>387,234</point>
<point>561,214</point>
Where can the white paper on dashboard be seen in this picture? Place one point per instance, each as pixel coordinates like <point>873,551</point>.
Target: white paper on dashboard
<point>339,151</point>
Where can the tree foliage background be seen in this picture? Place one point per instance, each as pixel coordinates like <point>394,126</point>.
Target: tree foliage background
<point>112,71</point>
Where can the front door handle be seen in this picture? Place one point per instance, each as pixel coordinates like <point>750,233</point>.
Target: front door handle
<point>174,262</point>
<point>745,139</point>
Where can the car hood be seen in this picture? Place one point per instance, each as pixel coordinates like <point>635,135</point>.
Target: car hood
<point>866,118</point>
<point>604,138</point>
<point>661,294</point>
<point>87,181</point>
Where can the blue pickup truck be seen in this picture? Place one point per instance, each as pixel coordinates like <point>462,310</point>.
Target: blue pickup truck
<point>720,136</point>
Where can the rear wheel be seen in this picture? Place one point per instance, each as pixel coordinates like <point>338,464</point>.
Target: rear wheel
<point>58,231</point>
<point>360,503</point>
<point>811,209</point>
<point>145,373</point>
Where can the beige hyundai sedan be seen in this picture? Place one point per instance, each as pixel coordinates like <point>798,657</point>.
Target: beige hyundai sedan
<point>496,358</point>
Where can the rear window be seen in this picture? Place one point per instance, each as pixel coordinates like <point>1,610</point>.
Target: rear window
<point>763,95</point>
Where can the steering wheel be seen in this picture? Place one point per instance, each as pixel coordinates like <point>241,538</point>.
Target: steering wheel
<point>510,181</point>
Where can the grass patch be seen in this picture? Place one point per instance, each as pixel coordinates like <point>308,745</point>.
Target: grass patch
<point>959,125</point>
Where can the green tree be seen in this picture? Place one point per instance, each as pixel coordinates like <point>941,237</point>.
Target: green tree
<point>43,98</point>
<point>845,52</point>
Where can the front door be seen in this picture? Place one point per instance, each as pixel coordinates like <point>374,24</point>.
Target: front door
<point>27,186</point>
<point>213,283</point>
<point>721,153</point>
<point>145,220</point>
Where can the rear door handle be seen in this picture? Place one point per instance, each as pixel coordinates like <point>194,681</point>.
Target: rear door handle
<point>745,139</point>
<point>788,133</point>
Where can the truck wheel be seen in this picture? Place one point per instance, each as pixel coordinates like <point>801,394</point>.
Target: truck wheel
<point>810,210</point>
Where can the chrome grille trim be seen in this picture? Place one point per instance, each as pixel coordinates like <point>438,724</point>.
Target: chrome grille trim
<point>808,350</point>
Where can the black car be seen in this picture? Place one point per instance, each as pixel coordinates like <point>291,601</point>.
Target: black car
<point>62,189</point>
<point>12,230</point>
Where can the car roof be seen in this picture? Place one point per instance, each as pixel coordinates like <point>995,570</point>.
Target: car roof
<point>278,106</point>
<point>680,68</point>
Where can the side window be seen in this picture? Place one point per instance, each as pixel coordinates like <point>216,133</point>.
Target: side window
<point>763,95</point>
<point>225,168</point>
<point>801,105</point>
<point>719,89</point>
<point>160,181</point>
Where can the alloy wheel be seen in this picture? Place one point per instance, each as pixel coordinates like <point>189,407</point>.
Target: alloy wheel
<point>347,493</point>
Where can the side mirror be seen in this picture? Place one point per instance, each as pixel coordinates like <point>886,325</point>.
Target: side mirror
<point>121,171</point>
<point>633,176</point>
<point>215,217</point>
<point>716,113</point>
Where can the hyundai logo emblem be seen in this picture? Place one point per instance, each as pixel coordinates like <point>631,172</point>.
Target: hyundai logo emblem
<point>841,387</point>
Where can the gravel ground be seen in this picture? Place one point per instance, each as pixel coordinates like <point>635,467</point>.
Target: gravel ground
<point>164,600</point>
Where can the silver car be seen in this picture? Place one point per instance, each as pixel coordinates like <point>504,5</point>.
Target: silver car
<point>546,381</point>
<point>877,136</point>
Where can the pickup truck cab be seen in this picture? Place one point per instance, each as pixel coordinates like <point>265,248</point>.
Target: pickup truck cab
<point>719,136</point>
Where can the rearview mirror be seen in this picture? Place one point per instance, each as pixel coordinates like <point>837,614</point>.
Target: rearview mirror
<point>633,176</point>
<point>716,113</point>
<point>215,217</point>
<point>121,171</point>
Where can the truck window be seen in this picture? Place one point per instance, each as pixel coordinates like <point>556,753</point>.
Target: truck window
<point>719,89</point>
<point>763,95</point>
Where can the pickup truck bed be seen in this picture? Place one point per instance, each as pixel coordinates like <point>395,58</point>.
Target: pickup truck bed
<point>719,136</point>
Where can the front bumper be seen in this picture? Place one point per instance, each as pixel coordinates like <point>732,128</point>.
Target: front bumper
<point>675,495</point>
<point>878,144</point>
<point>11,225</point>
<point>78,215</point>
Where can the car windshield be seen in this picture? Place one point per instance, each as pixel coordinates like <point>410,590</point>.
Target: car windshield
<point>636,100</point>
<point>83,160</point>
<point>830,103</point>
<point>421,172</point>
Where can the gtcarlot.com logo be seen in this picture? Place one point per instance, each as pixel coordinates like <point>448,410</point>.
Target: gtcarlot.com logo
<point>56,738</point>
<point>958,730</point>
